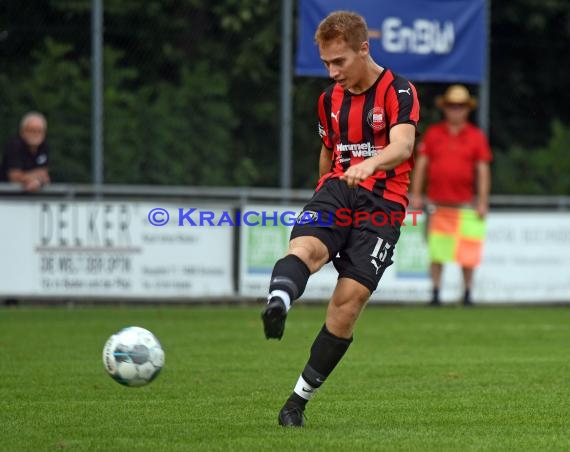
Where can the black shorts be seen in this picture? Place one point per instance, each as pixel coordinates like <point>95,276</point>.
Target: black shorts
<point>359,228</point>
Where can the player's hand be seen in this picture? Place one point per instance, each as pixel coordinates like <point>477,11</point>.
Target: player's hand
<point>358,173</point>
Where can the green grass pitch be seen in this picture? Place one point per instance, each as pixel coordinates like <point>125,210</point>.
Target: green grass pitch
<point>414,379</point>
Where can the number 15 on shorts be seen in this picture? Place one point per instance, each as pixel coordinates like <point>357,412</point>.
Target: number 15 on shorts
<point>380,253</point>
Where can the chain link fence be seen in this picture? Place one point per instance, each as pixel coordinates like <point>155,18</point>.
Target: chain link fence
<point>188,91</point>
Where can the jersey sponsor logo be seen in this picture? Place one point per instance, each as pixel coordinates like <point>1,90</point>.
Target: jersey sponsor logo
<point>376,118</point>
<point>423,37</point>
<point>364,153</point>
<point>41,159</point>
<point>357,150</point>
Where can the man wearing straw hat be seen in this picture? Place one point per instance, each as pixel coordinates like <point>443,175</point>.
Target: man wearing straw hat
<point>453,163</point>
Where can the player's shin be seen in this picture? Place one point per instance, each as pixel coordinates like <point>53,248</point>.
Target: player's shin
<point>326,353</point>
<point>288,280</point>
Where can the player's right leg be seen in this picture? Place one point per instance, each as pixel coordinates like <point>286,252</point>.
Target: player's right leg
<point>306,255</point>
<point>315,238</point>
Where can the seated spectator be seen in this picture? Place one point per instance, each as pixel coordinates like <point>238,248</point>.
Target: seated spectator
<point>26,156</point>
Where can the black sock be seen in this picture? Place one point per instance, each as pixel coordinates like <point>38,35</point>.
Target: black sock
<point>290,274</point>
<point>467,296</point>
<point>326,353</point>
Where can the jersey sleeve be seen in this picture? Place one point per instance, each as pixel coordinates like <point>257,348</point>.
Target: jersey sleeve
<point>324,123</point>
<point>402,104</point>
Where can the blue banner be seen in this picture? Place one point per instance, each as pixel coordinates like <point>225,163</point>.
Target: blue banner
<point>423,40</point>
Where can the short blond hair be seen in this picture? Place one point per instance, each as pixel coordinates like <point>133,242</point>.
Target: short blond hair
<point>346,25</point>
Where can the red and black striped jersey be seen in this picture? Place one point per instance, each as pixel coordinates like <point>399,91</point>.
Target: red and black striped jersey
<point>357,126</point>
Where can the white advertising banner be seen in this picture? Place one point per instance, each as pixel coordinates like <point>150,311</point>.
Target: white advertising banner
<point>526,258</point>
<point>112,249</point>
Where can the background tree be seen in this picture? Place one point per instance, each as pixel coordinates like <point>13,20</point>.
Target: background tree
<point>192,91</point>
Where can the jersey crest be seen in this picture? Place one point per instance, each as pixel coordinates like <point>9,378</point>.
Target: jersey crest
<point>376,118</point>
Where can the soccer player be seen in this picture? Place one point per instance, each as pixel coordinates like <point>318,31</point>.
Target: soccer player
<point>454,158</point>
<point>367,124</point>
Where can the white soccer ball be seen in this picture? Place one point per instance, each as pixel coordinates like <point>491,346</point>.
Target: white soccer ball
<point>133,356</point>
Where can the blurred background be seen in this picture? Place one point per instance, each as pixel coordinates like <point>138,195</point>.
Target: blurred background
<point>191,91</point>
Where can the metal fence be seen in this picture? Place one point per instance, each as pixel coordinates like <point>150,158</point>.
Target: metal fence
<point>243,194</point>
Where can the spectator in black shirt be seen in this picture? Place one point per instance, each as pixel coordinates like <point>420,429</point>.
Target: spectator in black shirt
<point>26,156</point>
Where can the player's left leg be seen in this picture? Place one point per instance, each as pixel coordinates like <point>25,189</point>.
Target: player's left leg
<point>330,345</point>
<point>360,265</point>
<point>347,302</point>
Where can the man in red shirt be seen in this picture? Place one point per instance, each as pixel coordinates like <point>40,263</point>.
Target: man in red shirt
<point>367,125</point>
<point>454,155</point>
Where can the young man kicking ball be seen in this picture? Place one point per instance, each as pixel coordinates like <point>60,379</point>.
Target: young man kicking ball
<point>369,108</point>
